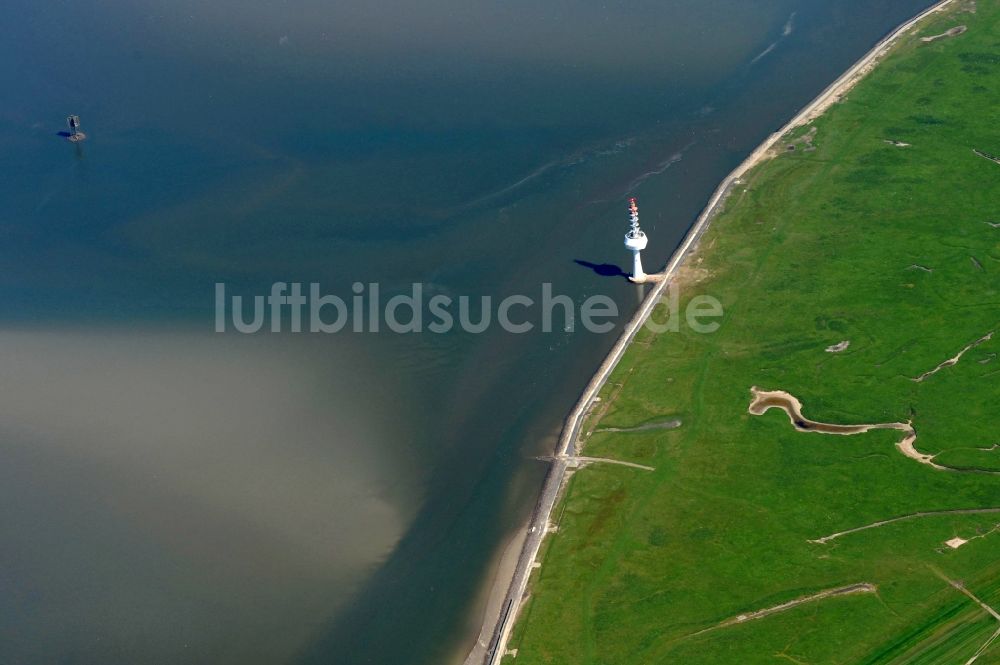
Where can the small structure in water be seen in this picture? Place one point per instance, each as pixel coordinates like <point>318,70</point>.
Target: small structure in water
<point>75,135</point>
<point>635,242</point>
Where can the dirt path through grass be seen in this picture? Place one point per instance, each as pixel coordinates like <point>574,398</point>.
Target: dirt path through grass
<point>903,518</point>
<point>860,587</point>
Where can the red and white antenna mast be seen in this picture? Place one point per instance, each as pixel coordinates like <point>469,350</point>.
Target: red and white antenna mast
<point>635,242</point>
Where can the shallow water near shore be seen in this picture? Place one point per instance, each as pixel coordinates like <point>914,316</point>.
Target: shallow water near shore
<point>174,495</point>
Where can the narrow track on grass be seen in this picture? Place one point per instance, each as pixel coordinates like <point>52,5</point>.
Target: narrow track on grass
<point>860,587</point>
<point>669,424</point>
<point>986,155</point>
<point>954,32</point>
<point>579,461</point>
<point>904,518</point>
<point>984,647</point>
<point>986,608</point>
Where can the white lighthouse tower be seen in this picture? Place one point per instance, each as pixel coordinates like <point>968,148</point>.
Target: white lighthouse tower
<point>635,242</point>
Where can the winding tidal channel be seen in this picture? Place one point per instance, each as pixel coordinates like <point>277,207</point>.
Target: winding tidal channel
<point>764,400</point>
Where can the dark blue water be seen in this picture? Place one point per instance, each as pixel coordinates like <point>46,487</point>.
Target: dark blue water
<point>169,494</point>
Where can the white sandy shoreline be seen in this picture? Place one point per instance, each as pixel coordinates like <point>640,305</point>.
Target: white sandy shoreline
<point>499,621</point>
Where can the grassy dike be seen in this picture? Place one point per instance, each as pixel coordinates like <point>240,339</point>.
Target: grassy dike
<point>890,247</point>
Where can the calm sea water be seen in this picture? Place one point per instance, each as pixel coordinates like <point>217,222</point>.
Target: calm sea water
<point>172,495</point>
